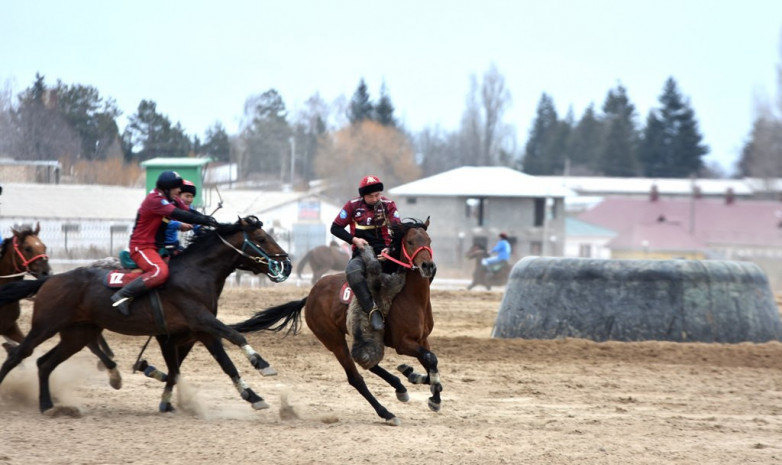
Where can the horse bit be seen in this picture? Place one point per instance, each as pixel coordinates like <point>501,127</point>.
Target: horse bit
<point>275,267</point>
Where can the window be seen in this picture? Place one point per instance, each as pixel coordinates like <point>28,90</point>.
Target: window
<point>540,211</point>
<point>584,250</point>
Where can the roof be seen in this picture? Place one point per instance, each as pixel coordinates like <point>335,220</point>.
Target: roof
<point>712,221</point>
<point>576,227</point>
<point>175,161</point>
<point>592,185</point>
<point>656,236</point>
<point>72,201</point>
<point>481,181</point>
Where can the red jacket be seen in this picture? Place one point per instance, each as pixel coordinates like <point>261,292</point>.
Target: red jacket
<point>152,219</point>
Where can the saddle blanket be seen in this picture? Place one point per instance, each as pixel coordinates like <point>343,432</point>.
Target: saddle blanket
<point>345,293</point>
<point>119,278</point>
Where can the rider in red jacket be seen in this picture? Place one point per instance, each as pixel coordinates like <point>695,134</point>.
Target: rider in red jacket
<point>148,236</point>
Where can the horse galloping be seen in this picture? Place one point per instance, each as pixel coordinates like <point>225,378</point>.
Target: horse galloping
<point>323,259</point>
<point>408,324</point>
<point>480,276</point>
<point>76,305</point>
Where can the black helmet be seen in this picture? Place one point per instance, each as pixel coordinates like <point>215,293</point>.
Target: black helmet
<point>188,187</point>
<point>168,180</point>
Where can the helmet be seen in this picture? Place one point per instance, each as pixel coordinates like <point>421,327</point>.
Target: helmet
<point>168,180</point>
<point>370,184</point>
<point>188,187</point>
<point>503,236</point>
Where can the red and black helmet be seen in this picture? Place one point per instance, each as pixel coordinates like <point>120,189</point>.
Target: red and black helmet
<point>370,184</point>
<point>188,187</point>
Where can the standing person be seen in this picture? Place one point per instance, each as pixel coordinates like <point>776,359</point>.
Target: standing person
<point>502,251</point>
<point>369,217</point>
<point>148,237</point>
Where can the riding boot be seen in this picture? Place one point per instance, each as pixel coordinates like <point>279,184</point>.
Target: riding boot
<point>361,291</point>
<point>123,297</point>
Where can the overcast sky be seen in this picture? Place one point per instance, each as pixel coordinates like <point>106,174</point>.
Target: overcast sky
<point>200,60</point>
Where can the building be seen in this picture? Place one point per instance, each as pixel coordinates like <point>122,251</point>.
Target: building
<point>474,204</point>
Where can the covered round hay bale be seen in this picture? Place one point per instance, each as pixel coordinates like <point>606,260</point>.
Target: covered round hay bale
<point>636,300</point>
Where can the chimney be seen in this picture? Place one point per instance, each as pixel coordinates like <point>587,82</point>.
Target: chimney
<point>654,194</point>
<point>730,197</point>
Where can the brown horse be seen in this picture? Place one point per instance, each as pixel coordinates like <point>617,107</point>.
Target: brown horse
<point>481,277</point>
<point>76,305</point>
<point>323,259</point>
<point>408,324</point>
<point>25,254</point>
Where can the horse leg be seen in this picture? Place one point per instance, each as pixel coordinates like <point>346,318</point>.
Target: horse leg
<point>13,337</point>
<point>115,378</point>
<point>169,350</point>
<point>432,377</point>
<point>396,383</point>
<point>72,340</point>
<point>25,348</point>
<point>209,324</point>
<point>341,351</point>
<point>215,347</point>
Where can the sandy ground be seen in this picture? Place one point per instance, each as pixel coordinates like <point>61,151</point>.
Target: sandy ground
<point>504,401</point>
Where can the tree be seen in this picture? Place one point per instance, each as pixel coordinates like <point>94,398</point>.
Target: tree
<point>310,126</point>
<point>150,134</point>
<point>619,155</point>
<point>585,144</point>
<point>347,155</point>
<point>360,105</point>
<point>264,147</point>
<point>384,110</point>
<point>545,148</point>
<point>91,117</point>
<point>216,145</point>
<point>495,98</point>
<point>671,145</point>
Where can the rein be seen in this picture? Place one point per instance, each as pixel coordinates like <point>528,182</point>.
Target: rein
<point>409,258</point>
<point>276,268</point>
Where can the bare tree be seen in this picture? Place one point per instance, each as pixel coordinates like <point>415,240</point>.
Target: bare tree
<point>495,98</point>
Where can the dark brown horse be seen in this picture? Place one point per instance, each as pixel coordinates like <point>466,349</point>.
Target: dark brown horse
<point>408,324</point>
<point>323,259</point>
<point>25,254</point>
<point>480,276</point>
<point>76,305</point>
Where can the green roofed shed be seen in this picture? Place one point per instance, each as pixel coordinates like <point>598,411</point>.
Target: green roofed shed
<point>192,169</point>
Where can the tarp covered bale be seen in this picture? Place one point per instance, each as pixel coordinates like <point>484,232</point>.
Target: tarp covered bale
<point>636,300</point>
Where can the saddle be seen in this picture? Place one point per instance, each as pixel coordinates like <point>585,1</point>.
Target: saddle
<point>119,277</point>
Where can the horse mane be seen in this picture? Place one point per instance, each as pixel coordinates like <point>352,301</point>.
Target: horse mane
<point>398,231</point>
<point>223,229</point>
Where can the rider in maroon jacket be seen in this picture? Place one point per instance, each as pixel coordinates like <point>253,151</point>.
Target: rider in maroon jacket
<point>148,236</point>
<point>369,217</point>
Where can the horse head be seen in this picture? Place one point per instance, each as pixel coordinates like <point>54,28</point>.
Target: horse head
<point>476,251</point>
<point>411,247</point>
<point>259,252</point>
<point>28,253</point>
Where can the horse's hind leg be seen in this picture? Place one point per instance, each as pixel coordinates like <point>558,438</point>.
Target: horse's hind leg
<point>396,383</point>
<point>72,340</point>
<point>170,354</point>
<point>215,347</point>
<point>25,348</point>
<point>115,378</point>
<point>429,361</point>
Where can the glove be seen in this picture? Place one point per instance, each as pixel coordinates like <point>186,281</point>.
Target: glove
<point>211,221</point>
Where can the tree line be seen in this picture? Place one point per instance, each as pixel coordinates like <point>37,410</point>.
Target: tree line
<point>345,139</point>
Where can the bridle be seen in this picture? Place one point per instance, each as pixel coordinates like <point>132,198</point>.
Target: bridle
<point>19,256</point>
<point>408,257</point>
<point>276,268</point>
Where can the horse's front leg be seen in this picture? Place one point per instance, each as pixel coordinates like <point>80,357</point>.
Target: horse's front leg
<point>432,377</point>
<point>211,325</point>
<point>171,356</point>
<point>215,347</point>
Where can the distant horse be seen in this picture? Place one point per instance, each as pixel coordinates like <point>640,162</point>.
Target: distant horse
<point>408,324</point>
<point>480,276</point>
<point>323,259</point>
<point>24,254</point>
<point>76,305</point>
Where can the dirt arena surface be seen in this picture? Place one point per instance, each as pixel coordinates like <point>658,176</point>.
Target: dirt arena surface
<point>504,401</point>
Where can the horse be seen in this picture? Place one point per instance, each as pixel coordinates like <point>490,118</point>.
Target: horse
<point>25,254</point>
<point>76,305</point>
<point>323,259</point>
<point>481,277</point>
<point>408,324</point>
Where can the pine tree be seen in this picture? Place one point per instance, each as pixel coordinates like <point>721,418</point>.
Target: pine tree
<point>619,154</point>
<point>360,105</point>
<point>671,145</point>
<point>585,144</point>
<point>384,111</point>
<point>542,153</point>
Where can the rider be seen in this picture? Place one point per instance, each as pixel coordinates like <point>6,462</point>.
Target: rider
<point>159,206</point>
<point>369,217</point>
<point>503,250</point>
<point>186,195</point>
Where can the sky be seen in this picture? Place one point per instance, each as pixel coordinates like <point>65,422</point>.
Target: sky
<point>201,60</point>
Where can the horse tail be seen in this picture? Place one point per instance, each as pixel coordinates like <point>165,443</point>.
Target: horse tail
<point>303,262</point>
<point>18,290</point>
<point>290,313</point>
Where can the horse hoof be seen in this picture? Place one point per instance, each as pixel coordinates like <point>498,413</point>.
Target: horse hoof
<point>166,407</point>
<point>403,396</point>
<point>393,421</point>
<point>268,371</point>
<point>260,405</point>
<point>63,411</point>
<point>115,379</point>
<point>434,406</point>
<point>101,366</point>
